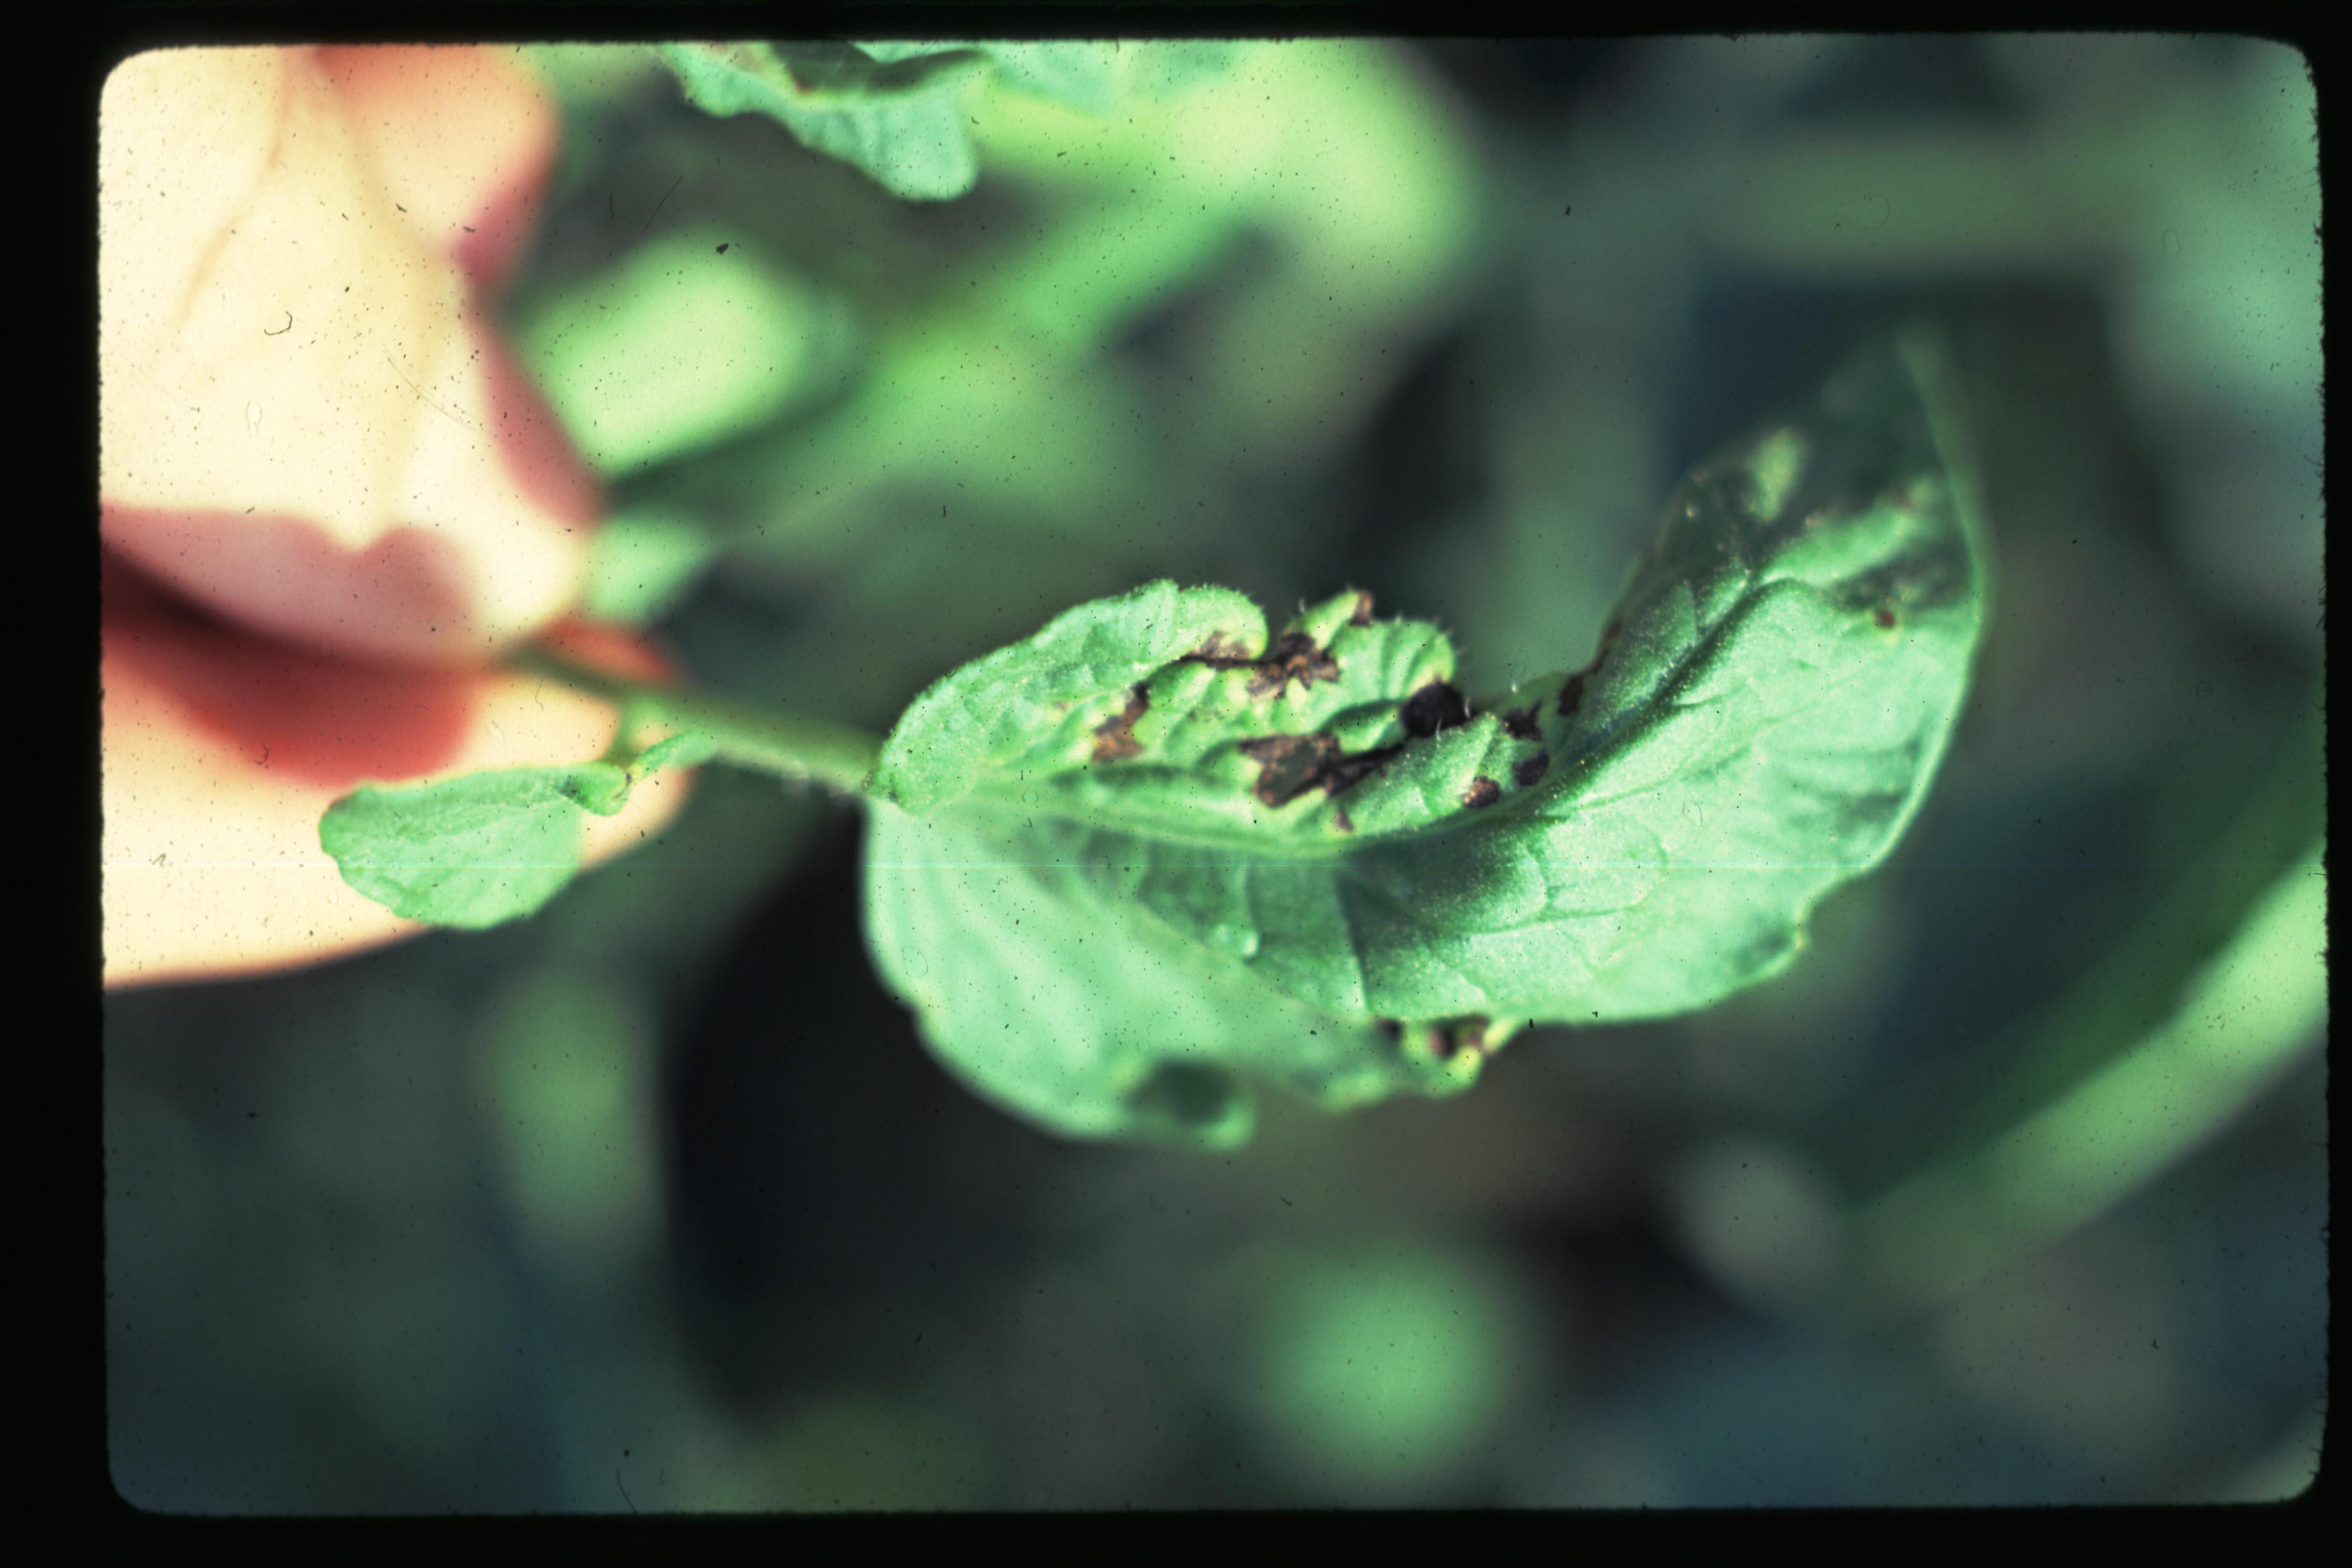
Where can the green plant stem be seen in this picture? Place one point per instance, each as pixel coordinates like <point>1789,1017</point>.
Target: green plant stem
<point>748,736</point>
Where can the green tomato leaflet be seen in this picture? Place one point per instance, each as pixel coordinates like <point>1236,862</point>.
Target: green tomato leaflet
<point>1156,837</point>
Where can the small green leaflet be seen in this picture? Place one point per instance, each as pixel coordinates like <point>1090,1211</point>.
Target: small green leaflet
<point>481,850</point>
<point>896,110</point>
<point>1152,846</point>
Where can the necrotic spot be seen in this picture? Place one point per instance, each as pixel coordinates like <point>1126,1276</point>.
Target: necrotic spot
<point>1434,707</point>
<point>1291,765</point>
<point>1294,657</point>
<point>1115,736</point>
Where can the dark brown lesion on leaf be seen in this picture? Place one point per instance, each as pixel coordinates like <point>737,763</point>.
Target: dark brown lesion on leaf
<point>1115,736</point>
<point>1390,1030</point>
<point>1362,613</point>
<point>1222,652</point>
<point>1294,656</point>
<point>1483,790</point>
<point>1527,770</point>
<point>1449,1039</point>
<point>1571,690</point>
<point>1519,723</point>
<point>1436,706</point>
<point>1290,766</point>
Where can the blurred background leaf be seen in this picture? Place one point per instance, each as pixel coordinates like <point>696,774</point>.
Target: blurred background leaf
<point>654,1201</point>
<point>898,120</point>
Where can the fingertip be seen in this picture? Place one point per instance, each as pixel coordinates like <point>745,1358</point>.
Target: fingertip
<point>496,478</point>
<point>478,539</point>
<point>464,137</point>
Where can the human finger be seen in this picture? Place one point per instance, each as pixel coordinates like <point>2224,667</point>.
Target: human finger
<point>305,423</point>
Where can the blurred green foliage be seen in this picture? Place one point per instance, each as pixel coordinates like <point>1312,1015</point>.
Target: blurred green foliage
<point>896,110</point>
<point>2012,1191</point>
<point>666,354</point>
<point>1382,1375</point>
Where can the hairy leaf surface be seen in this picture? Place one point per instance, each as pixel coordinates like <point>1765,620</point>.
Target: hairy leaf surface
<point>1152,834</point>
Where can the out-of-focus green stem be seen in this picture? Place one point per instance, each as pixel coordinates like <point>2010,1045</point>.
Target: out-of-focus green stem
<point>2247,1017</point>
<point>2121,1077</point>
<point>746,735</point>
